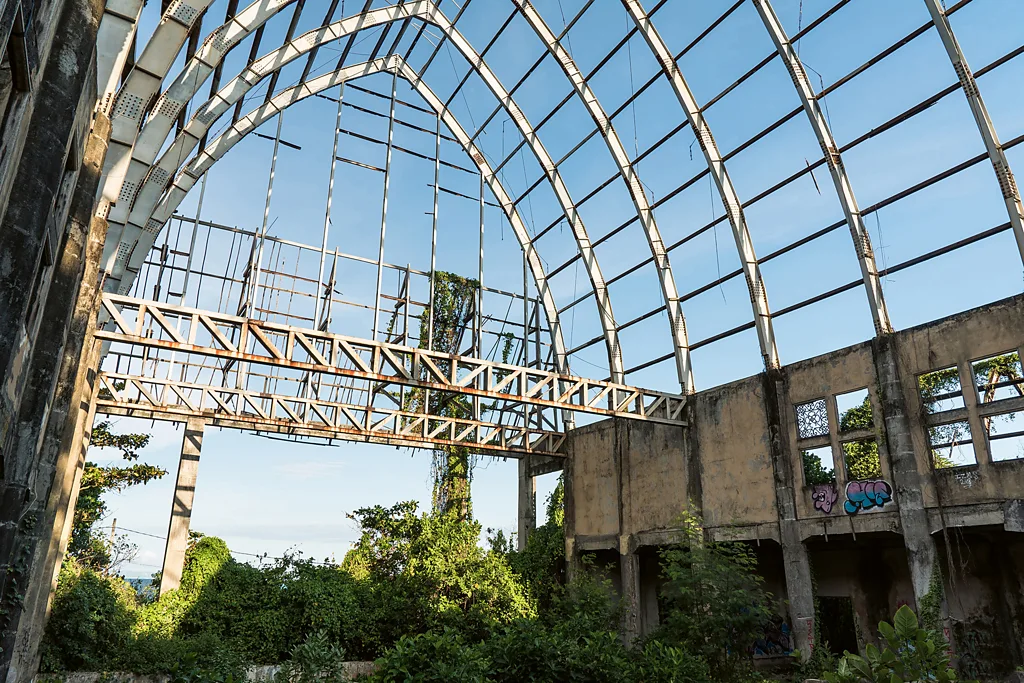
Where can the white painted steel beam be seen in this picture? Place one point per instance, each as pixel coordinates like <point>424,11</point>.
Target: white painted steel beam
<point>151,398</point>
<point>858,230</point>
<point>114,40</point>
<point>633,184</point>
<point>130,106</point>
<point>716,166</point>
<point>1000,164</point>
<point>142,221</point>
<point>180,329</point>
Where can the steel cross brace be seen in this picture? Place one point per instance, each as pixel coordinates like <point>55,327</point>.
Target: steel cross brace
<point>233,338</point>
<point>124,394</point>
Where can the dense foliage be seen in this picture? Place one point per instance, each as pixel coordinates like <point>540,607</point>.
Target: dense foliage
<point>418,592</point>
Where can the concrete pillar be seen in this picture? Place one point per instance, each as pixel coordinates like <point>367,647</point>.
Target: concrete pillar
<point>796,562</point>
<point>68,422</point>
<point>527,502</point>
<point>181,508</point>
<point>906,475</point>
<point>629,571</point>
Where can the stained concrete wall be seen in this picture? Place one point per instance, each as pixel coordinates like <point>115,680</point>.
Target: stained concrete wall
<point>630,480</point>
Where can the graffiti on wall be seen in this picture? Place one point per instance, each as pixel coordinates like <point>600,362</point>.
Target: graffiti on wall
<point>777,639</point>
<point>824,497</point>
<point>862,496</point>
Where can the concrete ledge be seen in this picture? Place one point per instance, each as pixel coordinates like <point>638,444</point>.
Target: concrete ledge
<point>254,674</point>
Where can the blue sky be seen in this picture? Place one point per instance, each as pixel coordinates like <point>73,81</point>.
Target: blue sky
<point>263,495</point>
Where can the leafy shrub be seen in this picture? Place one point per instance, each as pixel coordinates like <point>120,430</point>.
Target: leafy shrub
<point>432,657</point>
<point>316,659</point>
<point>715,605</point>
<point>910,654</point>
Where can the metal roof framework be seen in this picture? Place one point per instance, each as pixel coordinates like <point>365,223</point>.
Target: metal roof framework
<point>148,176</point>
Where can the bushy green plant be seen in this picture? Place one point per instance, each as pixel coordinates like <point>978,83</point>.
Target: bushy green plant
<point>910,653</point>
<point>715,604</point>
<point>432,658</point>
<point>315,659</point>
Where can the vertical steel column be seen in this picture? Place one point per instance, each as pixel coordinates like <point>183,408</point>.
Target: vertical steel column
<point>480,303</point>
<point>254,270</point>
<point>184,285</point>
<point>327,212</point>
<point>384,205</point>
<point>433,233</point>
<point>526,332</point>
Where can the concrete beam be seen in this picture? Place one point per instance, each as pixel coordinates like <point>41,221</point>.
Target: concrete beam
<point>181,507</point>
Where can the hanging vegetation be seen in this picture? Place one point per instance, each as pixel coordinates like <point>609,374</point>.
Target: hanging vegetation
<point>454,300</point>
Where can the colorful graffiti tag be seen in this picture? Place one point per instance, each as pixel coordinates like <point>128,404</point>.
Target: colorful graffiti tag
<point>777,640</point>
<point>862,496</point>
<point>824,497</point>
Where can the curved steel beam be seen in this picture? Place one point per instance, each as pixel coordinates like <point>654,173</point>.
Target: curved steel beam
<point>188,82</point>
<point>1007,185</point>
<point>141,219</point>
<point>131,104</point>
<point>858,230</point>
<point>245,125</point>
<point>716,166</point>
<point>113,43</point>
<point>629,175</point>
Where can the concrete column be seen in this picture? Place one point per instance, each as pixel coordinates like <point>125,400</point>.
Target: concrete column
<point>906,475</point>
<point>629,571</point>
<point>181,508</point>
<point>68,422</point>
<point>796,562</point>
<point>527,502</point>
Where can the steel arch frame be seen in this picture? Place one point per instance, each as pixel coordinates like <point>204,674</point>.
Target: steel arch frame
<point>677,322</point>
<point>717,169</point>
<point>219,146</point>
<point>148,140</point>
<point>206,114</point>
<point>1000,164</point>
<point>834,160</point>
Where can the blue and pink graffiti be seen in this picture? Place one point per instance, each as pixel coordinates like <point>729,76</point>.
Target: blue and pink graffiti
<point>862,496</point>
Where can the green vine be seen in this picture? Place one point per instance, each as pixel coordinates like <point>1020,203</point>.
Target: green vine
<point>929,606</point>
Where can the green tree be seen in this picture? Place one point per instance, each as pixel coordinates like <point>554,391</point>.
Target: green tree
<point>715,604</point>
<point>815,471</point>
<point>88,545</point>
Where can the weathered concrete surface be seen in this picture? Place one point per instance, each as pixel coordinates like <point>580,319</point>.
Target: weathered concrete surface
<point>739,462</point>
<point>181,506</point>
<point>254,674</point>
<point>41,265</point>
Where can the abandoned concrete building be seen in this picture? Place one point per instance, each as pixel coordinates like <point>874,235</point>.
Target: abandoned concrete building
<point>862,433</point>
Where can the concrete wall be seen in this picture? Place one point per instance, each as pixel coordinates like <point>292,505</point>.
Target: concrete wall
<point>877,542</point>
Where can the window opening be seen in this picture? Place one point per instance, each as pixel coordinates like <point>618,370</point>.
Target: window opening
<point>819,466</point>
<point>812,419</point>
<point>861,459</point>
<point>940,390</point>
<point>854,410</point>
<point>998,377</point>
<point>1006,436</point>
<point>951,445</point>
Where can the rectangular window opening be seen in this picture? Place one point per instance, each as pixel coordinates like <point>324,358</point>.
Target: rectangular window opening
<point>951,445</point>
<point>1005,436</point>
<point>998,377</point>
<point>861,459</point>
<point>819,466</point>
<point>941,390</point>
<point>854,410</point>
